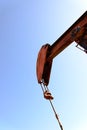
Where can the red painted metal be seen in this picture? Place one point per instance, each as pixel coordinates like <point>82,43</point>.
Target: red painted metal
<point>43,67</point>
<point>66,39</point>
<point>77,32</point>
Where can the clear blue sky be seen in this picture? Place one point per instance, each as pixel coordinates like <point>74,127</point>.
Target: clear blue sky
<point>24,27</point>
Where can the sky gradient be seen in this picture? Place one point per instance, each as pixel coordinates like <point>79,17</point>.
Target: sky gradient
<point>24,27</point>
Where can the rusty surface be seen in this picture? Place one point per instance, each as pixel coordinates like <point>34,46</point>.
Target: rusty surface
<point>82,38</point>
<point>66,39</point>
<point>77,32</point>
<point>43,67</point>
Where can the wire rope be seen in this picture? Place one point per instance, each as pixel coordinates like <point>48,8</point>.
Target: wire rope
<point>56,115</point>
<point>42,85</point>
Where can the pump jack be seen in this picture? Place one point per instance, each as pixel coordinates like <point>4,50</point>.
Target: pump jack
<point>76,33</point>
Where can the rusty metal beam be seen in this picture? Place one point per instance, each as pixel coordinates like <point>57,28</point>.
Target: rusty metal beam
<point>77,32</point>
<point>66,39</point>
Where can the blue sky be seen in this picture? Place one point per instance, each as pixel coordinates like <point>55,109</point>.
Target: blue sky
<point>24,27</point>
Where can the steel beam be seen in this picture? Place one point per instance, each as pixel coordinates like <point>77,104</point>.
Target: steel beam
<point>66,39</point>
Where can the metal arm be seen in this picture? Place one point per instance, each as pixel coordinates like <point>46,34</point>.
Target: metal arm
<point>66,39</point>
<point>77,32</point>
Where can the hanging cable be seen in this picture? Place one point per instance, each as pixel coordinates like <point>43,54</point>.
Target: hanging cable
<point>49,97</point>
<point>42,87</point>
<point>56,115</point>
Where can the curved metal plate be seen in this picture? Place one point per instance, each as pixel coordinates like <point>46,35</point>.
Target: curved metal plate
<point>43,67</point>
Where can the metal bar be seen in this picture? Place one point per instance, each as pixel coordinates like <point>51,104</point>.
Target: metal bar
<point>65,40</point>
<point>56,115</point>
